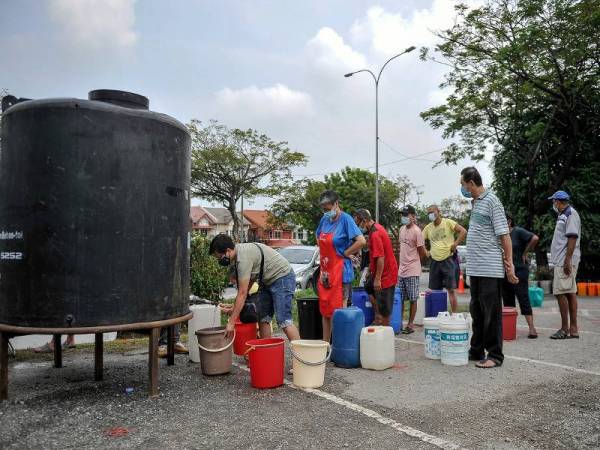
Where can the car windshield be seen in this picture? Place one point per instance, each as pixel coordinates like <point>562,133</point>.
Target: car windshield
<point>298,255</point>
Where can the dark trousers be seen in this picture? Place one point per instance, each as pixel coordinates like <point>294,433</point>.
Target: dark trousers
<point>486,311</point>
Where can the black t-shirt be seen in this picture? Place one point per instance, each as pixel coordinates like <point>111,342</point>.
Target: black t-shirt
<point>520,239</point>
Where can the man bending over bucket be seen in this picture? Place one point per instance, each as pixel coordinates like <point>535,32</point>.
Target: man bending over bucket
<point>277,285</point>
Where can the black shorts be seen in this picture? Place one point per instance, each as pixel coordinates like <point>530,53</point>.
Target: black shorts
<point>442,274</point>
<point>520,290</point>
<point>385,301</point>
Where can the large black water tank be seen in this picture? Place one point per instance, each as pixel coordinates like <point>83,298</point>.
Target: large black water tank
<point>94,213</point>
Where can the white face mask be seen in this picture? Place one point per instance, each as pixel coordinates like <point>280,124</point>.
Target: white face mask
<point>431,217</point>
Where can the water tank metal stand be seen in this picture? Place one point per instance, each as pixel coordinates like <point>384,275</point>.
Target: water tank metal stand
<point>154,328</point>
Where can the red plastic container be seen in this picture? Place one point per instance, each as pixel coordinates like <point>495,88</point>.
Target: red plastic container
<point>509,323</point>
<point>243,332</point>
<point>266,362</point>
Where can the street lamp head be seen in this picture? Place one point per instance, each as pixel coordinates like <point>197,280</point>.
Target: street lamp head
<point>410,49</point>
<point>349,74</point>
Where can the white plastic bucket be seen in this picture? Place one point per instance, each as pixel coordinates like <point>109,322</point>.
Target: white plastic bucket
<point>377,351</point>
<point>454,340</point>
<point>309,358</point>
<point>204,316</point>
<point>431,330</point>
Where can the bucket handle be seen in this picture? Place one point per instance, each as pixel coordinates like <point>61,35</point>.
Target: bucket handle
<point>312,364</point>
<point>217,350</point>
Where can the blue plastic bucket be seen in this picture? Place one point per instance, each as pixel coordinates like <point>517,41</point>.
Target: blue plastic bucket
<point>435,303</point>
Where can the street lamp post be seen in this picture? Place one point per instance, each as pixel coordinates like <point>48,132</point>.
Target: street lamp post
<point>376,79</point>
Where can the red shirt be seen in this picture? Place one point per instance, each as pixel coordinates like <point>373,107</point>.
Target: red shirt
<point>381,245</point>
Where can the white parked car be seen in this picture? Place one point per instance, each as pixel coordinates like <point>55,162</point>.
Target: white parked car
<point>305,262</point>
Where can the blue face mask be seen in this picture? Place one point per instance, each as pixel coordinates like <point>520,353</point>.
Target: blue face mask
<point>330,214</point>
<point>465,192</point>
<point>405,220</point>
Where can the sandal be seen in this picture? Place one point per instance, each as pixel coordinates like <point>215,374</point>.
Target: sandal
<point>408,330</point>
<point>485,364</point>
<point>532,336</point>
<point>43,349</point>
<point>572,336</point>
<point>560,334</point>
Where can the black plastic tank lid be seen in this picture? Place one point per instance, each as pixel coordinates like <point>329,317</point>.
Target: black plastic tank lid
<point>120,98</point>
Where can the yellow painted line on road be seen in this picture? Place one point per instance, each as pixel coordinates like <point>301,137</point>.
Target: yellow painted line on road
<point>530,360</point>
<point>409,431</point>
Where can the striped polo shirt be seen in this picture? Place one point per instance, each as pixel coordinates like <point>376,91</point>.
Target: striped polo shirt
<point>486,225</point>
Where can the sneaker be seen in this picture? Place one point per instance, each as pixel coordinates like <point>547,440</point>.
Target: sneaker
<point>162,351</point>
<point>181,348</point>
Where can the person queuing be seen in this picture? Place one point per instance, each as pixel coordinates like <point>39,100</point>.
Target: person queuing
<point>412,250</point>
<point>383,268</point>
<point>523,242</point>
<point>277,286</point>
<point>444,235</point>
<point>565,255</point>
<point>338,238</point>
<point>490,255</point>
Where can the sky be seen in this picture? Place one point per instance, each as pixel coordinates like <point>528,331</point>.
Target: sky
<point>275,66</point>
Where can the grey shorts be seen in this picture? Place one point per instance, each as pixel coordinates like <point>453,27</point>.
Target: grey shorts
<point>442,274</point>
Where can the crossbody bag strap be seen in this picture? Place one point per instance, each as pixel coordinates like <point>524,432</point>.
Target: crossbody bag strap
<point>262,264</point>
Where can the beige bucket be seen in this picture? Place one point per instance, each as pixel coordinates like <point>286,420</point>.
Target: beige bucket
<point>309,361</point>
<point>215,352</point>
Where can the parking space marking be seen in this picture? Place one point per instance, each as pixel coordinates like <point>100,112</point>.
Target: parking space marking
<point>412,432</point>
<point>534,361</point>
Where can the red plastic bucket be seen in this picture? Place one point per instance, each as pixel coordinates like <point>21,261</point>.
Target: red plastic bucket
<point>509,323</point>
<point>243,332</point>
<point>266,362</point>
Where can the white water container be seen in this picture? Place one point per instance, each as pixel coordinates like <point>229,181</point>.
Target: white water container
<point>205,316</point>
<point>377,350</point>
<point>431,331</point>
<point>420,315</point>
<point>454,340</point>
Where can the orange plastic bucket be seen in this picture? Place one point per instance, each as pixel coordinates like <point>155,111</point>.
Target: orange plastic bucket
<point>592,289</point>
<point>266,362</point>
<point>244,332</point>
<point>582,289</point>
<point>509,323</point>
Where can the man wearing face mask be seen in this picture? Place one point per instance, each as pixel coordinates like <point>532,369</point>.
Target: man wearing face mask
<point>490,256</point>
<point>412,250</point>
<point>440,233</point>
<point>339,239</point>
<point>383,269</point>
<point>277,285</point>
<point>565,255</point>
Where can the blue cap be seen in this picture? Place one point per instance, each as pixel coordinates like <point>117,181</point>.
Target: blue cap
<point>559,195</point>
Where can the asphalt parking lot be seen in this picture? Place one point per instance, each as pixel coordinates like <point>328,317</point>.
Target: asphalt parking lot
<point>546,395</point>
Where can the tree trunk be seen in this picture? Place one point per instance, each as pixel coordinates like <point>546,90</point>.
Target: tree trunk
<point>236,220</point>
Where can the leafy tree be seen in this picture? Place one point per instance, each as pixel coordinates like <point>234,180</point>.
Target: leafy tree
<point>456,208</point>
<point>525,82</point>
<point>356,188</point>
<point>228,163</point>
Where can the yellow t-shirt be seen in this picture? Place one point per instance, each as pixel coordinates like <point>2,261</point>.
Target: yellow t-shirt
<point>440,237</point>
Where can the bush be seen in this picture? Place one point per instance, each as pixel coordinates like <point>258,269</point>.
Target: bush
<point>207,278</point>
